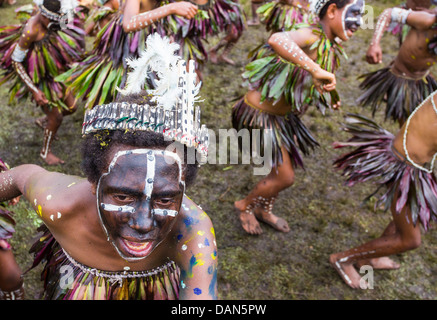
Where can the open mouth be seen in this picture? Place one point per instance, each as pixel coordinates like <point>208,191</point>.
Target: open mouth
<point>137,249</point>
<point>352,30</point>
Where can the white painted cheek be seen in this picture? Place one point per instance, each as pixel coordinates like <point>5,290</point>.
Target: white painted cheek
<point>164,212</point>
<point>114,208</point>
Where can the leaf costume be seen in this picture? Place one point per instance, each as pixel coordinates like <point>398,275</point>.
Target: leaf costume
<point>375,159</point>
<point>96,78</point>
<point>400,94</point>
<point>274,77</point>
<point>279,16</point>
<point>45,60</point>
<point>86,283</point>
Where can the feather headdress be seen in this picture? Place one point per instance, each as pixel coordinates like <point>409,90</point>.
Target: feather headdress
<point>159,58</point>
<point>175,93</point>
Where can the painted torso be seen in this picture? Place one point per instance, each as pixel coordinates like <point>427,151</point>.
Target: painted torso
<point>414,59</point>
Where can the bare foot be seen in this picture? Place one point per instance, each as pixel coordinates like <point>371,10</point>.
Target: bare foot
<point>227,60</point>
<point>51,159</point>
<point>247,218</point>
<point>253,22</point>
<point>212,56</point>
<point>347,271</point>
<point>383,263</point>
<point>272,220</point>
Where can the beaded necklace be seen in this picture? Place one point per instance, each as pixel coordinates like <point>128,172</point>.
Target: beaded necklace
<point>404,141</point>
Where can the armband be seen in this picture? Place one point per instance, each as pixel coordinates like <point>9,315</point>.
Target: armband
<point>19,53</point>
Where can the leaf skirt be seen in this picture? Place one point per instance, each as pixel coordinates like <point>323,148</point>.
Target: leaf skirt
<point>45,60</point>
<point>374,159</point>
<point>401,95</point>
<point>287,131</point>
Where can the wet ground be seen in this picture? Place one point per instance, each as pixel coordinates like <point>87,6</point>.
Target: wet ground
<point>324,216</point>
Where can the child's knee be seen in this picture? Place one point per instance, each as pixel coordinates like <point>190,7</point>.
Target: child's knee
<point>286,179</point>
<point>412,243</point>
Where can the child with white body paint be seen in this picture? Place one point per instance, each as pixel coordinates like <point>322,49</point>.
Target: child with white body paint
<point>136,235</point>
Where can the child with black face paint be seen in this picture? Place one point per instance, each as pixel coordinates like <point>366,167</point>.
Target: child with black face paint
<point>128,231</point>
<point>406,82</point>
<point>34,54</point>
<point>293,71</point>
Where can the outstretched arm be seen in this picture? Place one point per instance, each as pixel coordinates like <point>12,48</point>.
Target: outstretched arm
<point>289,45</point>
<point>197,252</point>
<point>13,182</point>
<point>134,21</point>
<point>27,38</point>
<point>420,20</point>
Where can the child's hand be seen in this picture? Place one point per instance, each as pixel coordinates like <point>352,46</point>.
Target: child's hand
<point>374,54</point>
<point>185,9</point>
<point>40,98</point>
<point>323,80</point>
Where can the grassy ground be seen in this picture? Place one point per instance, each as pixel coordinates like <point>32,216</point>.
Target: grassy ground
<point>324,216</point>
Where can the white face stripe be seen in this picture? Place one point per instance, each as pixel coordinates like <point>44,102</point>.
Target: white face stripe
<point>164,212</point>
<point>122,209</point>
<point>150,176</point>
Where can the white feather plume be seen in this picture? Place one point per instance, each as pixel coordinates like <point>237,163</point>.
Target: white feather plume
<point>159,57</point>
<point>67,6</point>
<point>38,2</point>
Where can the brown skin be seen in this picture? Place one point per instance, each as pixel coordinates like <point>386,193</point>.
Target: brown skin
<point>413,59</point>
<point>35,31</point>
<point>400,235</point>
<point>283,177</point>
<point>134,7</point>
<point>75,199</point>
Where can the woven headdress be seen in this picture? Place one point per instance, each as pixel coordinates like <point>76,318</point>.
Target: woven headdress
<point>173,113</point>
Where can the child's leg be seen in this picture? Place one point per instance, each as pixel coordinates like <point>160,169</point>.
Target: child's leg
<point>406,237</point>
<point>227,42</point>
<point>384,263</point>
<point>266,190</point>
<point>255,4</point>
<point>54,121</point>
<point>11,283</point>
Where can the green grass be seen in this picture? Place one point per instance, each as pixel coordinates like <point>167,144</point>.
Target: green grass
<point>323,214</point>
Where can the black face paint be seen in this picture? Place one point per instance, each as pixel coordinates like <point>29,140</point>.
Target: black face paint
<point>138,200</point>
<point>352,16</point>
